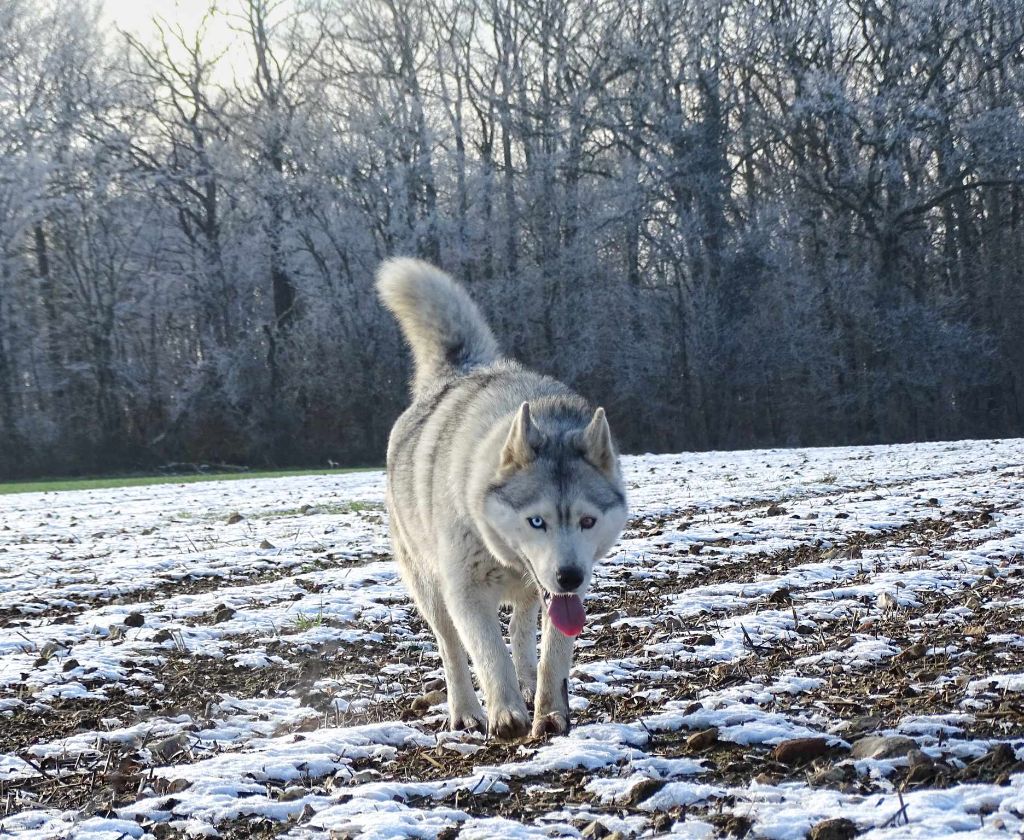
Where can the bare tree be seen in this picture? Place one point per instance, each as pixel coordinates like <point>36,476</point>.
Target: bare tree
<point>736,224</point>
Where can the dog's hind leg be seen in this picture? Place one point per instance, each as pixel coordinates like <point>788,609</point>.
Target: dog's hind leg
<point>522,631</point>
<point>464,709</point>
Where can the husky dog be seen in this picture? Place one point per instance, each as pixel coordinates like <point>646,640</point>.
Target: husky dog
<point>503,488</point>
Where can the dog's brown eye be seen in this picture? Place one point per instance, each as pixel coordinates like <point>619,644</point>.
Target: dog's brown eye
<point>587,522</point>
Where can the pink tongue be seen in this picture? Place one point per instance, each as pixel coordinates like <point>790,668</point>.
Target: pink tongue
<point>567,614</point>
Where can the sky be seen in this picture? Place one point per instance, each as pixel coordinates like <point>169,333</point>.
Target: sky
<point>136,18</point>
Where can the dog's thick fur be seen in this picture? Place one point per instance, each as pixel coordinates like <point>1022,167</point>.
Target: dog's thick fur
<point>485,452</point>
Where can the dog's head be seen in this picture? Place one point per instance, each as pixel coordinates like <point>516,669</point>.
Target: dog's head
<point>558,500</point>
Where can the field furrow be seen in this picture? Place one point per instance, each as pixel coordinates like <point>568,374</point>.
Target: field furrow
<point>780,638</point>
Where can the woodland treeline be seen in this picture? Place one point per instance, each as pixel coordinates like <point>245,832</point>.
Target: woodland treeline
<point>733,224</point>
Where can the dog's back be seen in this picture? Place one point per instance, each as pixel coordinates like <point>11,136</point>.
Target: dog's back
<point>461,387</point>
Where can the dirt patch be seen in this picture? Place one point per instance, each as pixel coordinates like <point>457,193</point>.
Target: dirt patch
<point>31,612</point>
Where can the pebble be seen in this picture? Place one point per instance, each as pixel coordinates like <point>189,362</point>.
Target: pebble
<point>883,746</point>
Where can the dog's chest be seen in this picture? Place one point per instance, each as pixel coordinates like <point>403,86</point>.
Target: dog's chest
<point>484,570</point>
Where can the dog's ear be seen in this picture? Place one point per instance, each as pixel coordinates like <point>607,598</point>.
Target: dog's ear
<point>523,441</point>
<point>597,443</point>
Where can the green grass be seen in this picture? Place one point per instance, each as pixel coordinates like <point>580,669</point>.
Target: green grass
<point>58,484</point>
<point>307,621</point>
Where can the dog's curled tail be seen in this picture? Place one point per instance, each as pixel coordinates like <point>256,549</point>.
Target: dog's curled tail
<point>443,326</point>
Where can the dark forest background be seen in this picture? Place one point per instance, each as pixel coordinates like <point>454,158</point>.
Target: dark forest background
<point>733,224</point>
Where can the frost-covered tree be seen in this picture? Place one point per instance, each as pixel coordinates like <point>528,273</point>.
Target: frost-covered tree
<point>733,224</point>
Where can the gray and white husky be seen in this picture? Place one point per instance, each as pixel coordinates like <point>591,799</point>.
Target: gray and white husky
<point>503,488</point>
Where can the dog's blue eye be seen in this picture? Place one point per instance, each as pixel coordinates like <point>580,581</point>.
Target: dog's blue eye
<point>536,521</point>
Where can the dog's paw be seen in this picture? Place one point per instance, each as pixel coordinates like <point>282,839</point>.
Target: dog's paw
<point>553,723</point>
<point>468,722</point>
<point>508,724</point>
<point>529,692</point>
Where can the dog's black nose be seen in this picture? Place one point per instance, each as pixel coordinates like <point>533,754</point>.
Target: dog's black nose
<point>569,578</point>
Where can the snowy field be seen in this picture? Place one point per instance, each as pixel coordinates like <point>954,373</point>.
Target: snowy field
<point>785,644</point>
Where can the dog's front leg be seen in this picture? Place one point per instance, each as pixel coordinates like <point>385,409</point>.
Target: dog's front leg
<point>474,611</point>
<point>551,706</point>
